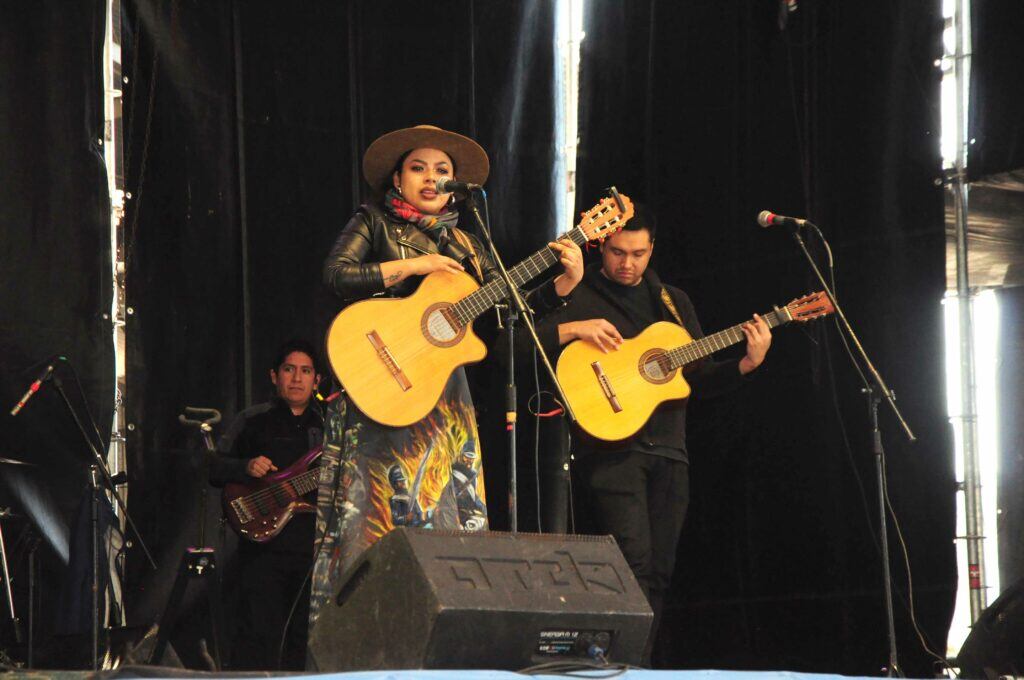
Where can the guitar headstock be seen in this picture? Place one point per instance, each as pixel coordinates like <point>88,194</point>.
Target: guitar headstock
<point>810,307</point>
<point>606,218</point>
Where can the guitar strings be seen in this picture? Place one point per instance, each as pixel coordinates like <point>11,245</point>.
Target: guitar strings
<point>411,348</point>
<point>269,491</point>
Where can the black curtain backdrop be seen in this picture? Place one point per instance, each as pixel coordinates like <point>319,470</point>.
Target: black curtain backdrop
<point>246,123</point>
<point>996,124</point>
<point>711,112</point>
<point>183,281</point>
<point>55,280</point>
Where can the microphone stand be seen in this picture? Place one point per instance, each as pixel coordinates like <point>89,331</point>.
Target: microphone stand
<point>98,466</point>
<point>876,438</point>
<point>517,310</point>
<point>15,621</point>
<point>198,561</point>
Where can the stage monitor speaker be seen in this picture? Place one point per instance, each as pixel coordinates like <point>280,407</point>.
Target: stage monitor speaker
<point>995,646</point>
<point>440,599</point>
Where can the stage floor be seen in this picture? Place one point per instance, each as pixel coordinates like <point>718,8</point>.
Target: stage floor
<point>631,674</point>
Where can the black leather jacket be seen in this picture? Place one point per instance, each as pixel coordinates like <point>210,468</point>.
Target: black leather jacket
<point>352,269</point>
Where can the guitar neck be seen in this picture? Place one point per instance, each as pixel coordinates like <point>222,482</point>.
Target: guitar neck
<point>487,296</point>
<point>709,344</point>
<point>302,484</point>
<point>306,482</point>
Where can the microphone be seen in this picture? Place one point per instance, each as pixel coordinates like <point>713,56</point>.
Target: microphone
<point>450,186</point>
<point>766,218</point>
<point>34,387</point>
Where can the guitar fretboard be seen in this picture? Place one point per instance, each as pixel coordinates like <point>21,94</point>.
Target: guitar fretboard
<point>287,491</point>
<point>478,302</point>
<point>709,344</point>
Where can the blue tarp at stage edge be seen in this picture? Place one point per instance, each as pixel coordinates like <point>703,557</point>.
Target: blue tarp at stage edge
<point>629,675</point>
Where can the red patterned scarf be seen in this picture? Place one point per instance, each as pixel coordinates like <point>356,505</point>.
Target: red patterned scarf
<point>435,226</point>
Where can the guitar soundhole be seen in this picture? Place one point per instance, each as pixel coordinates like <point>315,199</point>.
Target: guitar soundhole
<point>440,327</point>
<point>654,367</point>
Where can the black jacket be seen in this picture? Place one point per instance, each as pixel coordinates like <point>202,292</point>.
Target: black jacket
<point>352,269</point>
<point>594,298</point>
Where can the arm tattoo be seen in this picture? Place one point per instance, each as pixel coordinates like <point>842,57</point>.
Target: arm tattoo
<point>393,278</point>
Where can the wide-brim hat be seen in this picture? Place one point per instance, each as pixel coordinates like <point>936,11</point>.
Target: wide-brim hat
<point>471,162</point>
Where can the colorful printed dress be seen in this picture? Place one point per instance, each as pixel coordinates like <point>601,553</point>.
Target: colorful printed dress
<point>375,478</point>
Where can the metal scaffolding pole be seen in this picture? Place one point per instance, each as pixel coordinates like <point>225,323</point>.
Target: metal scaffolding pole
<point>113,154</point>
<point>974,537</point>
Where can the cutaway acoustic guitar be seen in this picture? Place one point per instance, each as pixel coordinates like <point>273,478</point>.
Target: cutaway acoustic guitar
<point>613,394</point>
<point>394,355</point>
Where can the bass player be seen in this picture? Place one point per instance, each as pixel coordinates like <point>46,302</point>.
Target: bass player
<point>262,439</point>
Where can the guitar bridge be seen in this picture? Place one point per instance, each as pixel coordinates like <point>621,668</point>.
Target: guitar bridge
<point>606,386</point>
<point>241,510</point>
<point>388,358</point>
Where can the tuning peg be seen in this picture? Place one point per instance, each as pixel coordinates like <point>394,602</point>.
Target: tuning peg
<point>618,199</point>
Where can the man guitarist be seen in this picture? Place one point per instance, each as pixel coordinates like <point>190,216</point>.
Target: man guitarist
<point>265,438</point>
<point>637,489</point>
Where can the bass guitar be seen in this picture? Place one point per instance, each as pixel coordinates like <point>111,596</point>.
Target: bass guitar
<point>614,394</point>
<point>394,355</point>
<point>260,509</point>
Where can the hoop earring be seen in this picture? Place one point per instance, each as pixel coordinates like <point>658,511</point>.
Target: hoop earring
<point>399,189</point>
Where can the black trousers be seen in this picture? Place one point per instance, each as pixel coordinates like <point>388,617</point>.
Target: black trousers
<point>269,583</point>
<point>641,500</point>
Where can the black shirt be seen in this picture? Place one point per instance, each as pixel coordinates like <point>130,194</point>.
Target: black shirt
<point>637,300</point>
<point>271,430</point>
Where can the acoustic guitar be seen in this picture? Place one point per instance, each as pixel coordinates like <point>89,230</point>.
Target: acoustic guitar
<point>394,355</point>
<point>613,394</point>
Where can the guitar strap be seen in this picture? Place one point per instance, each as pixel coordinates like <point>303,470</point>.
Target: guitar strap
<point>464,241</point>
<point>666,299</point>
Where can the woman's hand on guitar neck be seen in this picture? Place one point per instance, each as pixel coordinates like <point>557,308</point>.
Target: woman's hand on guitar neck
<point>396,271</point>
<point>599,332</point>
<point>259,466</point>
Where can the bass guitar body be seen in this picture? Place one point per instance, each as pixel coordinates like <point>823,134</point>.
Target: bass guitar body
<point>260,509</point>
<point>613,394</point>
<point>395,355</point>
